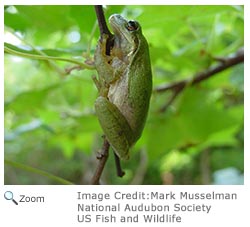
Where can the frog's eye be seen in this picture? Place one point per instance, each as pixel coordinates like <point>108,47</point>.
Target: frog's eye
<point>132,25</point>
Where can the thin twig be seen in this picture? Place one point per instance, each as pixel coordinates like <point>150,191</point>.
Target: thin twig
<point>103,156</point>
<point>46,58</point>
<point>177,87</point>
<point>38,51</point>
<point>119,171</point>
<point>104,28</point>
<point>101,21</point>
<point>228,62</point>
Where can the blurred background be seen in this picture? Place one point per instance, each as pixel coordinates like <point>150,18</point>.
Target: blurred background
<point>52,135</point>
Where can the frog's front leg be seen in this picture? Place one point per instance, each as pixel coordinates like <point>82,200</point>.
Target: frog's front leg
<point>115,127</point>
<point>103,61</point>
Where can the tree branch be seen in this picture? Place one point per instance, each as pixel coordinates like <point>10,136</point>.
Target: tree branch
<point>104,28</point>
<point>103,157</point>
<point>101,21</point>
<point>177,87</point>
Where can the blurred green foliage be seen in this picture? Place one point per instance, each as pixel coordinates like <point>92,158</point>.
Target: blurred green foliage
<point>49,116</point>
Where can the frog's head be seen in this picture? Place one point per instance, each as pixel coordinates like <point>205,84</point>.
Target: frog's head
<point>127,32</point>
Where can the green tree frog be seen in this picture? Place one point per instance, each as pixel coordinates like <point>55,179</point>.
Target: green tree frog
<point>124,83</point>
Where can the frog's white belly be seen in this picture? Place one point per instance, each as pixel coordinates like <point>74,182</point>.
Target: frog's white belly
<point>118,95</point>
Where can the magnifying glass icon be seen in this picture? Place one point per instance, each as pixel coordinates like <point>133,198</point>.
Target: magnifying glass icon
<point>9,196</point>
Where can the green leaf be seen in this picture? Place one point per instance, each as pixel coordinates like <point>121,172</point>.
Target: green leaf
<point>30,100</point>
<point>47,18</point>
<point>201,117</point>
<point>37,171</point>
<point>196,119</point>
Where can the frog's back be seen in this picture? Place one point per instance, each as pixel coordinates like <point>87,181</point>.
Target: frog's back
<point>134,102</point>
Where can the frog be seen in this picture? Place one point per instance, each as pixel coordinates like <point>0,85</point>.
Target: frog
<point>124,84</point>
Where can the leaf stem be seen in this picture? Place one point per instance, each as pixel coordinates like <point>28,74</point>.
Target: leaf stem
<point>39,52</point>
<point>41,57</point>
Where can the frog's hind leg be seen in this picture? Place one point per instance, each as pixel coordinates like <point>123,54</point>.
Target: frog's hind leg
<point>115,127</point>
